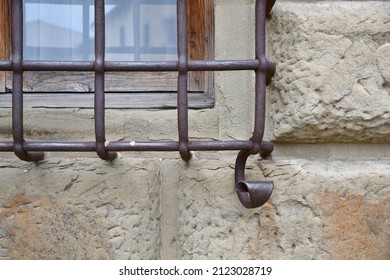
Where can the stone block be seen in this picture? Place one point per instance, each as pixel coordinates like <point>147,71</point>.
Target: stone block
<point>318,210</point>
<point>79,209</point>
<point>332,82</point>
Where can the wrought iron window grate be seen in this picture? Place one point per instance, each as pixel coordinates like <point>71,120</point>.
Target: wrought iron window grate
<point>251,194</point>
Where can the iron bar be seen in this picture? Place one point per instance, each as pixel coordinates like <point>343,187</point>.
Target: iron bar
<point>99,106</point>
<point>129,146</point>
<point>255,194</point>
<point>260,79</point>
<point>5,65</point>
<point>17,84</point>
<point>144,66</point>
<point>182,94</point>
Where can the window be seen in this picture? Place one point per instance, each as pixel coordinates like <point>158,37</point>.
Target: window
<point>251,194</point>
<point>139,30</point>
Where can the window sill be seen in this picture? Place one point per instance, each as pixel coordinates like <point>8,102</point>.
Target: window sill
<point>113,100</point>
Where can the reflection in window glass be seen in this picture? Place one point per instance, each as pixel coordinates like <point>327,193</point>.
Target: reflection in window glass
<point>135,30</point>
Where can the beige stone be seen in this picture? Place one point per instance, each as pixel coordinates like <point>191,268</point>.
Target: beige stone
<point>332,80</point>
<point>89,209</point>
<point>331,201</point>
<point>126,125</point>
<point>79,209</point>
<point>318,210</point>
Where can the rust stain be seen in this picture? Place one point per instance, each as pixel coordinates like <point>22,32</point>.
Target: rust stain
<point>20,221</point>
<point>43,228</point>
<point>354,229</point>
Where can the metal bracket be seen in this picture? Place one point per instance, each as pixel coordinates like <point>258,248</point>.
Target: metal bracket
<point>252,194</point>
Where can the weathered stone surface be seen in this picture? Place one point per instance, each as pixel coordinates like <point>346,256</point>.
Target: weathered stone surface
<point>318,210</point>
<point>94,210</point>
<point>234,91</point>
<point>332,81</point>
<point>332,84</point>
<point>79,209</point>
<point>127,125</point>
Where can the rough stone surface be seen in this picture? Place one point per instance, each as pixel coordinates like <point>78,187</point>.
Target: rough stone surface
<point>328,203</point>
<point>332,81</point>
<point>85,209</point>
<point>94,210</point>
<point>234,91</point>
<point>318,210</point>
<point>126,125</point>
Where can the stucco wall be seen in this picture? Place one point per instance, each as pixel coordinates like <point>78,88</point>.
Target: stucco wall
<point>330,166</point>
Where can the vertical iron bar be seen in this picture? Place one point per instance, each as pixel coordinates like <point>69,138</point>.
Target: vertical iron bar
<point>182,93</point>
<point>99,106</point>
<point>38,56</point>
<point>255,194</point>
<point>17,85</point>
<point>260,83</point>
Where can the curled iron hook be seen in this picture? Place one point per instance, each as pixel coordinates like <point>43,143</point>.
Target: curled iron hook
<point>252,194</point>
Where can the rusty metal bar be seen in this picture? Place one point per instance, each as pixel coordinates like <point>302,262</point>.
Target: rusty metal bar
<point>5,65</point>
<point>255,194</point>
<point>99,106</point>
<point>144,66</point>
<point>17,84</point>
<point>182,93</point>
<point>260,79</point>
<point>251,194</point>
<point>140,146</point>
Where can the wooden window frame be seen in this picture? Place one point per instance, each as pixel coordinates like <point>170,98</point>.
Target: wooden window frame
<point>201,88</point>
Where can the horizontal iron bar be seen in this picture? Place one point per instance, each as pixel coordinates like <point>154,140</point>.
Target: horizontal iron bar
<point>164,146</point>
<point>193,65</point>
<point>5,65</point>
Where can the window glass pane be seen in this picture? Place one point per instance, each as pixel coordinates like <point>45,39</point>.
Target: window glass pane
<point>54,31</point>
<point>158,31</point>
<point>135,30</point>
<point>120,30</point>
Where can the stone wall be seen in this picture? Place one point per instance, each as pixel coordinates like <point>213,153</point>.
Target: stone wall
<point>331,165</point>
<point>333,82</point>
